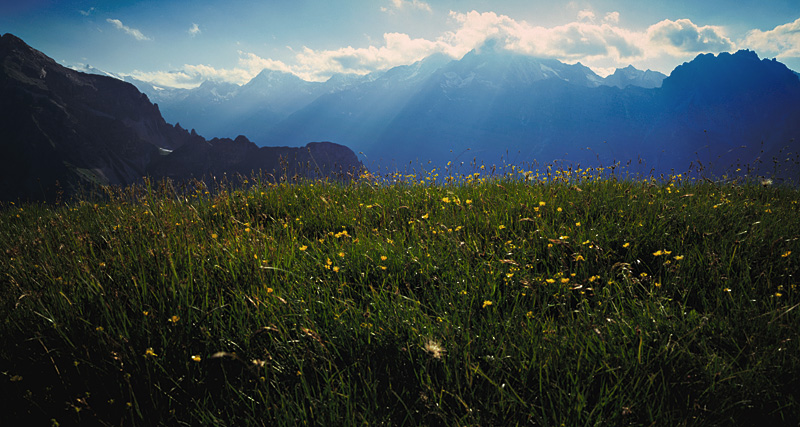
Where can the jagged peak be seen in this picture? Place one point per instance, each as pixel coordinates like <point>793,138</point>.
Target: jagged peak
<point>274,75</point>
<point>241,139</point>
<point>743,66</point>
<point>9,38</point>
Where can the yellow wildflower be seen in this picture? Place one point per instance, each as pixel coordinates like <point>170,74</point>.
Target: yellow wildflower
<point>486,303</point>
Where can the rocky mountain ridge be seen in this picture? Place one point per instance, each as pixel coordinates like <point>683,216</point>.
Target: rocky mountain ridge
<point>63,130</point>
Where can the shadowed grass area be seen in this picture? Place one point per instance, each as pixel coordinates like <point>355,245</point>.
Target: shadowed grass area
<point>557,298</point>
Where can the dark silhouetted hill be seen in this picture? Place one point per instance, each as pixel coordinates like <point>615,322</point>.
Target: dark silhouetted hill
<point>61,130</point>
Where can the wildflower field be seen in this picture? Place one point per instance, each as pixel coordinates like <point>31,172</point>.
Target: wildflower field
<point>558,298</point>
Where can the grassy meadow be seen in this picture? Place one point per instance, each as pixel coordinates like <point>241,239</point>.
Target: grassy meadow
<point>498,298</point>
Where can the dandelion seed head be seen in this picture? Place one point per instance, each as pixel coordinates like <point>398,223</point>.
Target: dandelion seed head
<point>434,348</point>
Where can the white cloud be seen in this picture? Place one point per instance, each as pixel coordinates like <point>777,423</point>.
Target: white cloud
<point>130,31</point>
<point>254,64</point>
<point>576,41</point>
<point>782,41</point>
<point>683,36</point>
<point>586,16</point>
<point>398,49</point>
<point>190,76</point>
<point>412,4</point>
<point>611,18</point>
<point>87,12</point>
<point>195,30</point>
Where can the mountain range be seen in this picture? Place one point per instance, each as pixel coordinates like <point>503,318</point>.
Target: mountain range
<point>493,106</point>
<point>223,109</point>
<point>62,131</point>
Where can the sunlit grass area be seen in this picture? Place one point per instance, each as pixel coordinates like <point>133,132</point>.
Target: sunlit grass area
<point>495,298</point>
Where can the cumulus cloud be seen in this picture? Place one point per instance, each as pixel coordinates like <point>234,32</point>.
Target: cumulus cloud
<point>130,31</point>
<point>398,49</point>
<point>194,30</point>
<point>684,36</point>
<point>611,18</point>
<point>407,4</point>
<point>782,41</point>
<point>582,40</point>
<point>190,76</point>
<point>586,16</point>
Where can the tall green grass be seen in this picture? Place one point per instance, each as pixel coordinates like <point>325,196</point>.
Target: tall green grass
<point>557,298</point>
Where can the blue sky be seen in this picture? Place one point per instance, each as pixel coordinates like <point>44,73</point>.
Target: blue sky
<point>182,43</point>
